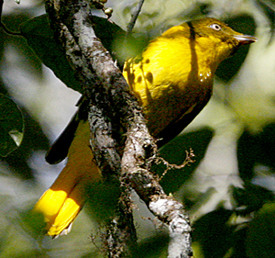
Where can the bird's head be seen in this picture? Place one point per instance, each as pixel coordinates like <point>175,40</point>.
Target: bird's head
<point>224,38</point>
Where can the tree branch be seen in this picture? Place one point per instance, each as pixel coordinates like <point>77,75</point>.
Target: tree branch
<point>111,107</point>
<point>164,207</point>
<point>134,17</point>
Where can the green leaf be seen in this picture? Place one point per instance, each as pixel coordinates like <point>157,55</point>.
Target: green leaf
<point>261,233</point>
<point>153,247</point>
<point>40,37</point>
<point>102,201</point>
<point>214,233</point>
<point>11,126</point>
<point>251,198</point>
<point>256,149</point>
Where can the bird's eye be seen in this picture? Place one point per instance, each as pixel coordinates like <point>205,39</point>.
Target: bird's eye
<point>215,26</point>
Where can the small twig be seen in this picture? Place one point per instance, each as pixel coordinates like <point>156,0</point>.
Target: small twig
<point>93,239</point>
<point>134,18</point>
<point>188,160</point>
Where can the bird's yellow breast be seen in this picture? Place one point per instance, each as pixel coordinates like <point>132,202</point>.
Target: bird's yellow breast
<point>169,78</point>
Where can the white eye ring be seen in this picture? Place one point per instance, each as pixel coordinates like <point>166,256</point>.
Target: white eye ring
<point>215,26</point>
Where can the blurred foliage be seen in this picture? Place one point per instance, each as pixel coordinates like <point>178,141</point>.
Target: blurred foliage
<point>11,126</point>
<point>229,67</point>
<point>261,233</point>
<point>40,37</point>
<point>268,7</point>
<point>34,139</point>
<point>155,247</point>
<point>256,149</point>
<point>245,228</point>
<point>251,198</point>
<point>14,21</point>
<point>102,201</point>
<point>213,233</point>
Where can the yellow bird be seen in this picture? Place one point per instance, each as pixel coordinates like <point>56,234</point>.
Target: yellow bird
<point>172,79</point>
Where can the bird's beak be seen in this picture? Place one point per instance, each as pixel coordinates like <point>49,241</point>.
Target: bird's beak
<point>245,39</point>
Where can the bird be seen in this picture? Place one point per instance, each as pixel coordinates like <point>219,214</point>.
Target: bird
<point>173,81</point>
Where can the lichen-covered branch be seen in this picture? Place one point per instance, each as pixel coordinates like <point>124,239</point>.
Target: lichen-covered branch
<point>98,76</point>
<point>112,107</point>
<point>165,208</point>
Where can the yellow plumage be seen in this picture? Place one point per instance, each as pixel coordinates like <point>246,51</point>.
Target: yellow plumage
<point>173,81</point>
<point>61,203</point>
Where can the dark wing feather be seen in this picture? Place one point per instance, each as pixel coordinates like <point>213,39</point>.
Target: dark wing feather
<point>59,149</point>
<point>175,127</point>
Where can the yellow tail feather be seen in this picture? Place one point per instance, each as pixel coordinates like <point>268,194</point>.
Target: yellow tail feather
<point>62,202</point>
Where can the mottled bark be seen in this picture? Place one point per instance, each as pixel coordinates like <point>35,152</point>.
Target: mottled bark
<point>112,107</point>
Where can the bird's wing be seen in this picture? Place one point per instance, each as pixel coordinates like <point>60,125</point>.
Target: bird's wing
<point>59,149</point>
<point>180,122</point>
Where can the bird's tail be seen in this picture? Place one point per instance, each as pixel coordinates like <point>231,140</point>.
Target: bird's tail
<point>62,202</point>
